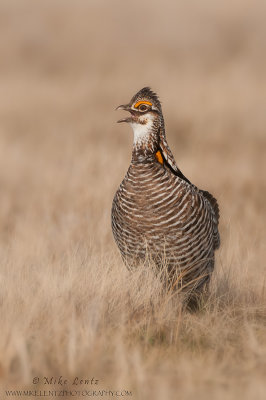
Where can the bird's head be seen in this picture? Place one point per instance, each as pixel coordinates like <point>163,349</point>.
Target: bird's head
<point>145,115</point>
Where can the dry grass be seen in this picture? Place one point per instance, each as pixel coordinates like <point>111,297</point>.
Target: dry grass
<point>68,305</point>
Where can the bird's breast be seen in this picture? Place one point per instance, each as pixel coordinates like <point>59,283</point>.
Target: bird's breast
<point>151,196</point>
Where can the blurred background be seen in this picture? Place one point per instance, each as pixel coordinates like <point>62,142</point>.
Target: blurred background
<point>65,66</point>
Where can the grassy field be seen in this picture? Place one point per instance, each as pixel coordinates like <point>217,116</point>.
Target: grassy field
<point>68,306</point>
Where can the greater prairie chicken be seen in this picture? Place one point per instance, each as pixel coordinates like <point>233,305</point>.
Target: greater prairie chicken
<point>157,213</point>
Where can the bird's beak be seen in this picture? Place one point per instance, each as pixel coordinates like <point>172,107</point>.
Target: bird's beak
<point>125,107</point>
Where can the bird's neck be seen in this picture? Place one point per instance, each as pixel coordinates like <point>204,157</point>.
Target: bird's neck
<point>146,140</point>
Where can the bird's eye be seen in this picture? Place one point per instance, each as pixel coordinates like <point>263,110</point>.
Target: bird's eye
<point>143,107</point>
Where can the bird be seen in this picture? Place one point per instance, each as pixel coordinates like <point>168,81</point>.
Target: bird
<point>158,216</point>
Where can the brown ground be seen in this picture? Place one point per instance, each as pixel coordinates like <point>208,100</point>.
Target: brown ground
<point>68,305</point>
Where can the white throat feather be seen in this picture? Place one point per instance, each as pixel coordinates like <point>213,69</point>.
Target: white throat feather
<point>143,131</point>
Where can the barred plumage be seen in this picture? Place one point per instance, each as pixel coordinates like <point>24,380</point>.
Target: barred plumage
<point>156,211</point>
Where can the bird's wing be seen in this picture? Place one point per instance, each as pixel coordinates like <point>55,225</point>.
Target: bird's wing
<point>169,161</point>
<point>216,216</point>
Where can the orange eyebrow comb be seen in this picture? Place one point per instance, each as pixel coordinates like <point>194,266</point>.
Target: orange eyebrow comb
<point>142,102</point>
